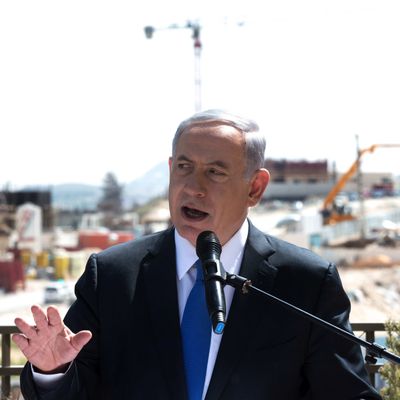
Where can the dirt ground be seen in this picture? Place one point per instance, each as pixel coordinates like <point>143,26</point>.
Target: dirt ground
<point>374,293</point>
<point>371,277</point>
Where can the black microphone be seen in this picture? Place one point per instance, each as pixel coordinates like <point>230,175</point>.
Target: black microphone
<point>208,249</point>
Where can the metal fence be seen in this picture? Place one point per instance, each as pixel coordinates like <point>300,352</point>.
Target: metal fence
<point>7,370</point>
<point>367,330</point>
<point>348,230</point>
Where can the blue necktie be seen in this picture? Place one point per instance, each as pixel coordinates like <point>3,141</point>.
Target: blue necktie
<point>196,335</point>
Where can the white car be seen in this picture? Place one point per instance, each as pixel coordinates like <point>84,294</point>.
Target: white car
<point>58,292</point>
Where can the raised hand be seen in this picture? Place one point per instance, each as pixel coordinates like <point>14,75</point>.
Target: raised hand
<point>50,345</point>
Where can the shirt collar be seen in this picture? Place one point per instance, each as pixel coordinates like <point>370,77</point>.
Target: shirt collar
<point>231,255</point>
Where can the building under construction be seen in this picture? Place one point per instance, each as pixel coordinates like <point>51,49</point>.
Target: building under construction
<point>298,171</point>
<point>41,198</point>
<point>301,179</point>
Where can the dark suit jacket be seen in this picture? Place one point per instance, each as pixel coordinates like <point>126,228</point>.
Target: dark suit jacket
<point>127,297</point>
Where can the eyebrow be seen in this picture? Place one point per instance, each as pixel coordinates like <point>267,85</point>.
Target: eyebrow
<point>217,163</point>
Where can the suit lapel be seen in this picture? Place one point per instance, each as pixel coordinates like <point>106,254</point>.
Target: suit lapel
<point>242,319</point>
<point>161,295</point>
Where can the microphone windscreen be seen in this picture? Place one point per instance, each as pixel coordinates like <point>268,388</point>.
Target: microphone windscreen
<point>208,246</point>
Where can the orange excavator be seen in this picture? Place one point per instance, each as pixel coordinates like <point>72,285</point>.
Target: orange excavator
<point>333,213</point>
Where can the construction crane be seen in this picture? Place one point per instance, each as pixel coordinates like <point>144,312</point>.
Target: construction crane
<point>195,27</point>
<point>331,212</point>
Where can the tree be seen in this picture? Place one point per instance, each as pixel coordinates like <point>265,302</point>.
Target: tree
<point>110,203</point>
<point>391,372</point>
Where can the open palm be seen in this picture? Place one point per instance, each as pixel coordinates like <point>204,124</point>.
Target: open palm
<point>49,345</point>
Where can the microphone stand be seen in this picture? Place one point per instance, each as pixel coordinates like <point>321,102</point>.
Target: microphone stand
<point>374,350</point>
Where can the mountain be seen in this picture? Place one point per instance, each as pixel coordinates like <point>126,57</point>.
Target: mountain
<point>75,196</point>
<point>72,196</point>
<point>152,184</point>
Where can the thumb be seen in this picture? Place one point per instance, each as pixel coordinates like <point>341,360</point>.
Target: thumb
<point>80,339</point>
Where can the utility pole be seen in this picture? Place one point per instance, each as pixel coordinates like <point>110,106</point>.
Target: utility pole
<point>195,28</point>
<point>360,190</point>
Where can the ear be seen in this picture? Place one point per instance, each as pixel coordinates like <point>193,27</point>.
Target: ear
<point>258,184</point>
<point>170,164</point>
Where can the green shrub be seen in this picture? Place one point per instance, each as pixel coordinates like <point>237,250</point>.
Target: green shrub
<point>390,371</point>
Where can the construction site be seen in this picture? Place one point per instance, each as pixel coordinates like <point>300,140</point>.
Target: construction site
<point>352,219</point>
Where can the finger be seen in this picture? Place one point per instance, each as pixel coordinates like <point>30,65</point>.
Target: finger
<point>40,317</point>
<point>21,341</point>
<point>28,330</point>
<point>27,347</point>
<point>54,317</point>
<point>80,339</point>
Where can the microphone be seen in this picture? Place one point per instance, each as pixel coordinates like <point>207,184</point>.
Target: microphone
<point>208,249</point>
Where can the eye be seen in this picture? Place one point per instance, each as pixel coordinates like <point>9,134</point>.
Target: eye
<point>217,175</point>
<point>183,167</point>
<point>214,171</point>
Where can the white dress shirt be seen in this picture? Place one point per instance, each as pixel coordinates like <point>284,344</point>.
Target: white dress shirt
<point>231,259</point>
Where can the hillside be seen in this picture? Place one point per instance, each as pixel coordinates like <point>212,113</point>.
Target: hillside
<point>85,197</point>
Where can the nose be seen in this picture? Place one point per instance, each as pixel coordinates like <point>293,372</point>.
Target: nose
<point>195,185</point>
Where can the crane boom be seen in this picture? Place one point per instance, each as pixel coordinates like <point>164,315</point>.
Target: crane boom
<point>330,197</point>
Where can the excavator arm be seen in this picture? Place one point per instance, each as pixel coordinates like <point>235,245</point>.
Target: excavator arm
<point>329,214</point>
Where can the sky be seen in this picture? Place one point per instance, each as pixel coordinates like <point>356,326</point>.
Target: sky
<point>83,92</point>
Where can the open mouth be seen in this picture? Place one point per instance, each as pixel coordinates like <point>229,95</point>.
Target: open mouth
<point>193,213</point>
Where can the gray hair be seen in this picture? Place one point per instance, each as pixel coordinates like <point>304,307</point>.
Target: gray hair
<point>254,140</point>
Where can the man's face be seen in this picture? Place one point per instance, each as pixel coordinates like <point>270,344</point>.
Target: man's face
<point>208,190</point>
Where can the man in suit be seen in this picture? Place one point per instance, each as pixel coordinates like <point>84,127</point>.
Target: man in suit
<point>122,338</point>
